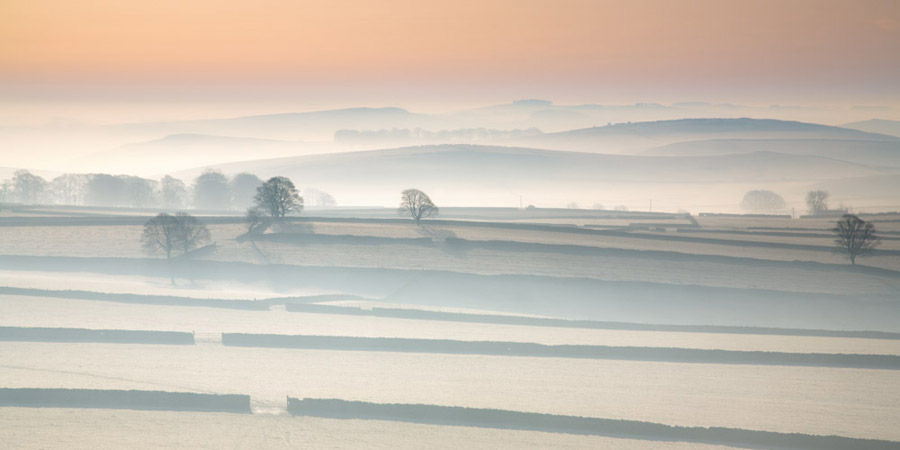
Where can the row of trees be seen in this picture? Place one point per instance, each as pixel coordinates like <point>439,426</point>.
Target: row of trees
<point>210,191</point>
<point>278,197</point>
<point>768,201</point>
<point>273,201</point>
<point>854,237</point>
<point>181,232</point>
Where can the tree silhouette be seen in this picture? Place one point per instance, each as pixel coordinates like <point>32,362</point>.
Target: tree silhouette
<point>69,189</point>
<point>278,197</point>
<point>29,188</point>
<point>160,235</point>
<point>855,236</point>
<point>243,189</point>
<point>416,204</point>
<point>816,202</point>
<point>167,233</point>
<point>172,192</point>
<point>761,200</point>
<point>211,191</point>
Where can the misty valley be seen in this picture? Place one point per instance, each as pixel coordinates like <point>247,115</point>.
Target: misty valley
<point>671,283</point>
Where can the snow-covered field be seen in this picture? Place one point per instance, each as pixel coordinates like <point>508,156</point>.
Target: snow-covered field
<point>27,311</point>
<point>150,430</point>
<point>616,258</point>
<point>847,402</point>
<point>829,401</point>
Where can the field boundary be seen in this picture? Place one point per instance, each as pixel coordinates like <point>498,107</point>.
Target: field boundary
<point>44,334</point>
<point>206,268</point>
<point>527,349</point>
<point>499,319</point>
<point>307,304</point>
<point>508,245</point>
<point>171,300</point>
<point>616,428</point>
<point>122,399</point>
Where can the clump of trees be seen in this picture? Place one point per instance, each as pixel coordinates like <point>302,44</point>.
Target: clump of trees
<point>315,197</point>
<point>416,205</point>
<point>243,189</point>
<point>70,188</point>
<point>25,187</point>
<point>211,191</point>
<point>762,200</point>
<point>173,193</point>
<point>855,237</point>
<point>817,202</point>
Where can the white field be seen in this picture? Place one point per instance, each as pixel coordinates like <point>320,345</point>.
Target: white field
<point>830,401</point>
<point>147,285</point>
<point>99,429</point>
<point>122,241</point>
<point>846,402</point>
<point>27,311</point>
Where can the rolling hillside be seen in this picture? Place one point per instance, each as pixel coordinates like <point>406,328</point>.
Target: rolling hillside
<point>631,137</point>
<point>885,153</point>
<point>182,151</point>
<point>485,163</point>
<point>318,125</point>
<point>890,127</point>
<point>497,175</point>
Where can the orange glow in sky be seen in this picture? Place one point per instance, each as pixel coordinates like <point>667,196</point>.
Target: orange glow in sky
<point>848,49</point>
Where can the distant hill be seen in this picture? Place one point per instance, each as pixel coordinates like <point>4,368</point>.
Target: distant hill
<point>183,151</point>
<point>640,136</point>
<point>890,127</point>
<point>870,152</point>
<point>468,162</point>
<point>503,172</point>
<point>319,125</point>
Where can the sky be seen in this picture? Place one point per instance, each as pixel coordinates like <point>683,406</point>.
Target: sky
<point>114,60</point>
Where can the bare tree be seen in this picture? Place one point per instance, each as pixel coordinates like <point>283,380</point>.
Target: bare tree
<point>257,220</point>
<point>69,189</point>
<point>416,204</point>
<point>855,236</point>
<point>190,233</point>
<point>278,197</point>
<point>167,233</point>
<point>6,191</point>
<point>161,235</point>
<point>28,188</point>
<point>817,202</point>
<point>762,200</point>
<point>172,192</point>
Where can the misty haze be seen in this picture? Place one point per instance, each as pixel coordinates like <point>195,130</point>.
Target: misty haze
<point>673,225</point>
